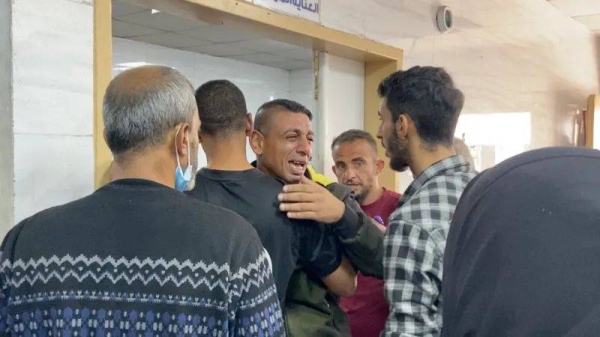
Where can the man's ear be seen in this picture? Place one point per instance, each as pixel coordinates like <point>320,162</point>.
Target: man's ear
<point>248,125</point>
<point>257,142</point>
<point>183,139</point>
<point>401,126</point>
<point>379,165</point>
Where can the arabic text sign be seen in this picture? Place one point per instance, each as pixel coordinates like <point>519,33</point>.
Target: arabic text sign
<point>306,9</point>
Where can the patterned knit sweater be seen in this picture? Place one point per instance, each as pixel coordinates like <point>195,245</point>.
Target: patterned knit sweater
<point>136,258</point>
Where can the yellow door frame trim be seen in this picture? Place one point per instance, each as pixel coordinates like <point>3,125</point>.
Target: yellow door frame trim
<point>380,59</point>
<point>102,76</point>
<point>591,120</point>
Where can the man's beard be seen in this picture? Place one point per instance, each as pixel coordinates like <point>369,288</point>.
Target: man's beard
<point>398,150</point>
<point>360,197</point>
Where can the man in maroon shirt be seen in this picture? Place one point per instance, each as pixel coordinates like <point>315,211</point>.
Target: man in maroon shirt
<point>357,166</point>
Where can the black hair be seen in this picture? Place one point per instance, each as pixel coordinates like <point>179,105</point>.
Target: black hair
<point>352,135</point>
<point>428,96</point>
<point>264,112</point>
<point>221,107</point>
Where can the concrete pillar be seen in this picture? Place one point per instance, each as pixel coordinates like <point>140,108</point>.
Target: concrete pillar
<point>46,141</point>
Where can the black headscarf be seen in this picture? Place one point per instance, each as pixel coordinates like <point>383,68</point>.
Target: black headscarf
<point>523,252</point>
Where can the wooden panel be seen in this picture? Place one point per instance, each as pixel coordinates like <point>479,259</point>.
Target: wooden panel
<point>102,76</point>
<point>375,72</point>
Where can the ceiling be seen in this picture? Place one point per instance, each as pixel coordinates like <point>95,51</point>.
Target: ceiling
<point>158,28</point>
<point>585,11</point>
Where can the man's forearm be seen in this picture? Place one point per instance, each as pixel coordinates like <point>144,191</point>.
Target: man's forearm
<point>360,236</point>
<point>365,248</point>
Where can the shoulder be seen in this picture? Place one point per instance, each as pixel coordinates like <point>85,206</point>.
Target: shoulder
<point>57,213</point>
<point>268,181</point>
<point>45,222</point>
<point>340,191</point>
<point>220,217</point>
<point>206,221</point>
<point>221,223</point>
<point>393,196</point>
<point>10,240</point>
<point>445,185</point>
<point>432,206</point>
<point>389,201</point>
<point>96,208</point>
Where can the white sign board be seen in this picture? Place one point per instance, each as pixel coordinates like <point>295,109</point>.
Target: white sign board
<point>305,9</point>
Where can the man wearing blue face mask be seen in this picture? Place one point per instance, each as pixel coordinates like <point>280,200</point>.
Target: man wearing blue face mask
<point>138,257</point>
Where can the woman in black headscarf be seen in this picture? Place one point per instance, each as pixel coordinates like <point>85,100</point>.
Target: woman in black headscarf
<point>523,252</point>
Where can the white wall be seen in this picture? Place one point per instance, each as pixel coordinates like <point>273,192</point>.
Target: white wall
<point>52,103</point>
<point>258,83</point>
<point>302,90</point>
<point>7,206</point>
<point>341,103</point>
<point>507,56</point>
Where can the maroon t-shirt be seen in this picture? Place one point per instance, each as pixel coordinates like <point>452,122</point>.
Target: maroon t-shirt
<point>367,309</point>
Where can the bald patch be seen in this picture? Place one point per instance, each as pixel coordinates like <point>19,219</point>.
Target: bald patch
<point>139,79</point>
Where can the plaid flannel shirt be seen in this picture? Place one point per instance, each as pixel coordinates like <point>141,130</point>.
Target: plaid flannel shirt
<point>414,248</point>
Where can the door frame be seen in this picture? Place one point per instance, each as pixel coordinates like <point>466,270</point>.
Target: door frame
<point>592,133</point>
<point>380,60</point>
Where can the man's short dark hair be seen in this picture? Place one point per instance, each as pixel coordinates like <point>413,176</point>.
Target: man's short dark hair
<point>353,135</point>
<point>221,107</point>
<point>428,96</point>
<point>265,112</point>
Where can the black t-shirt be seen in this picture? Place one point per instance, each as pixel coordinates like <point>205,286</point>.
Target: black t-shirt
<point>290,243</point>
<point>136,257</point>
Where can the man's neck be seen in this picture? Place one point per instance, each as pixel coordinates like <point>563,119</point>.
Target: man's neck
<point>226,155</point>
<point>374,195</point>
<point>264,169</point>
<point>424,157</point>
<point>147,166</point>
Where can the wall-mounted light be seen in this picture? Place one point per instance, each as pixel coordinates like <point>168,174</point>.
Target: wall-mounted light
<point>444,19</point>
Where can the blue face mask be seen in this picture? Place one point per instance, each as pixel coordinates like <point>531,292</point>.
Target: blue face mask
<point>182,179</point>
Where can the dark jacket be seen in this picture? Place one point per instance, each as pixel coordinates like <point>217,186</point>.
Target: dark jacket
<point>522,252</point>
<point>311,310</point>
<point>360,236</point>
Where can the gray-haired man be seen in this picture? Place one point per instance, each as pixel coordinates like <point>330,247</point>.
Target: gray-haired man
<point>138,257</point>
